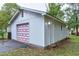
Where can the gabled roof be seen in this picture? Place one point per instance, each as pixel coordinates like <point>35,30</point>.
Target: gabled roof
<point>33,10</point>
<point>27,9</point>
<point>36,11</point>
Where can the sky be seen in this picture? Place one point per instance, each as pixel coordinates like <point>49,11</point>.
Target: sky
<point>1,5</point>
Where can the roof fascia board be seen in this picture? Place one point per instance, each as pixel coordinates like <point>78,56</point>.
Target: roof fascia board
<point>13,16</point>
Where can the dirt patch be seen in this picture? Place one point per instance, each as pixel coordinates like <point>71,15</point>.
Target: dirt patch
<point>60,44</point>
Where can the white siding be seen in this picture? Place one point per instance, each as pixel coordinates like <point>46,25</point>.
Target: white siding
<point>59,33</point>
<point>49,31</point>
<point>36,24</point>
<point>54,32</point>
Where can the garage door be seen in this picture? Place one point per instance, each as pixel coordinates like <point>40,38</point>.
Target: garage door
<point>23,32</point>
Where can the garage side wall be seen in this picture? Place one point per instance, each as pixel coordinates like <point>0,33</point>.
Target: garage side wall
<point>54,31</point>
<point>60,31</point>
<point>49,31</point>
<point>36,27</point>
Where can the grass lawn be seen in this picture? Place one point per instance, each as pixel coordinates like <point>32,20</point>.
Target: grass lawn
<point>66,48</point>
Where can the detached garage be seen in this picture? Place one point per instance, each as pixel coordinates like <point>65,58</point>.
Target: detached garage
<point>36,27</point>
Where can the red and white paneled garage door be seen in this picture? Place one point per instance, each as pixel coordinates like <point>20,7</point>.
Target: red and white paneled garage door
<point>23,32</point>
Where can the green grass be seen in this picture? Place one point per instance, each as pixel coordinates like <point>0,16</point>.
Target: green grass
<point>66,48</point>
<point>5,36</point>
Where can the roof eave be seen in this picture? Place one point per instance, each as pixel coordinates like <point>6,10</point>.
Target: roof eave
<point>13,17</point>
<point>56,19</point>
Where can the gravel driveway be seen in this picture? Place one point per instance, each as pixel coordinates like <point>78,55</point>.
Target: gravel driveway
<point>10,45</point>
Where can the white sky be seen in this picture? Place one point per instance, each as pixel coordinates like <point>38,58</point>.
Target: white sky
<point>1,5</point>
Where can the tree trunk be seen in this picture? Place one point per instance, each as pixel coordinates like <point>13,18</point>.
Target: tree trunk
<point>76,26</point>
<point>77,30</point>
